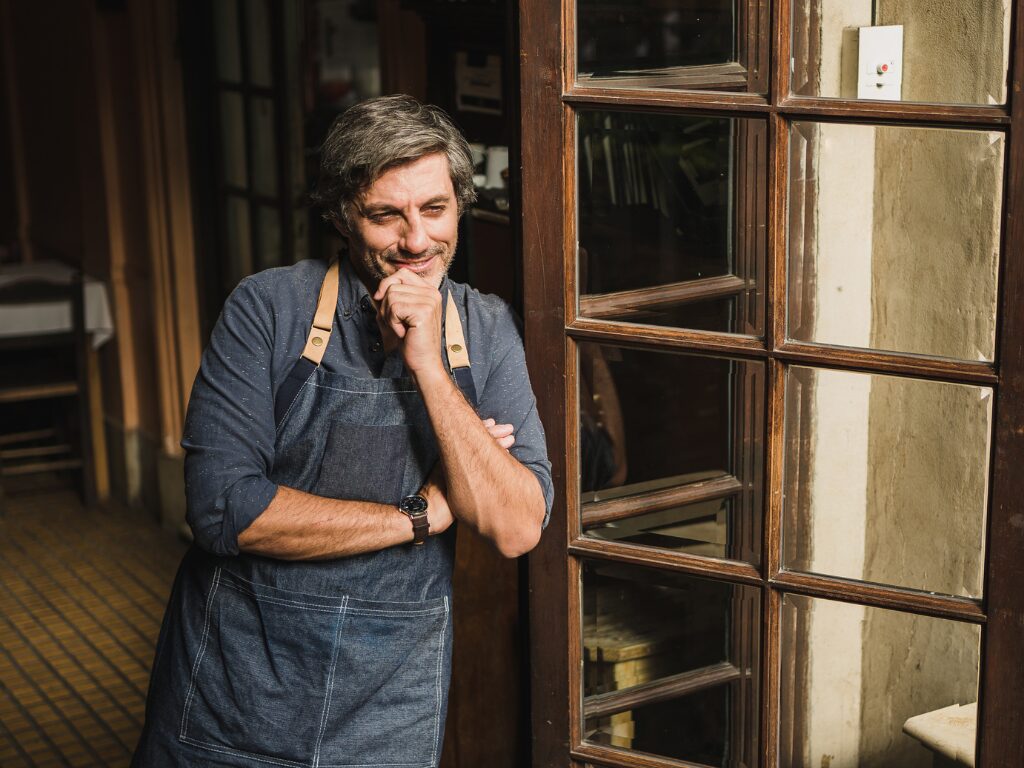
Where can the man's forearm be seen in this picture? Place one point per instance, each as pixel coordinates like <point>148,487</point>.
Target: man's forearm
<point>300,526</point>
<point>486,486</point>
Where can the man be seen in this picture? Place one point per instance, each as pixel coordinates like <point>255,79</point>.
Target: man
<point>336,430</point>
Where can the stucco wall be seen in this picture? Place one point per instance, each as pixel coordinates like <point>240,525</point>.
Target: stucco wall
<point>935,267</point>
<point>919,259</point>
<point>954,51</point>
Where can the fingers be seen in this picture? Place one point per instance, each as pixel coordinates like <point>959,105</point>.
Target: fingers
<point>502,433</point>
<point>401,277</point>
<point>403,307</point>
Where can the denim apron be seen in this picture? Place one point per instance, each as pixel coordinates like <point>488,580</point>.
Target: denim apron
<point>331,663</point>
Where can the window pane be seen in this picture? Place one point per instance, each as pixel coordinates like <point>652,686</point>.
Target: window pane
<point>689,646</point>
<point>232,144</point>
<point>264,147</point>
<point>268,225</point>
<point>886,479</point>
<point>653,425</point>
<point>668,220</point>
<point>616,38</point>
<point>239,240</point>
<point>229,55</point>
<point>894,238</point>
<point>697,529</point>
<point>261,54</point>
<point>944,51</point>
<point>853,676</point>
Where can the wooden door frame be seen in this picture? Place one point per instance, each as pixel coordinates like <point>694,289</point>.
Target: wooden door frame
<point>549,97</point>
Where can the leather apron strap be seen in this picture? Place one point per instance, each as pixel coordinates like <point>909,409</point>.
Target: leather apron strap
<point>323,320</point>
<point>458,352</point>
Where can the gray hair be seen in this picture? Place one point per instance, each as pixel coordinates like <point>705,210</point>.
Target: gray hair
<point>376,135</point>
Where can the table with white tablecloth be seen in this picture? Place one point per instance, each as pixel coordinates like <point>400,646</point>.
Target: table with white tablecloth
<point>33,318</point>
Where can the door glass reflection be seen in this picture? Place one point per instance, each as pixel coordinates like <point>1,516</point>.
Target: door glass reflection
<point>697,529</point>
<point>261,54</point>
<point>229,55</point>
<point>238,239</point>
<point>670,220</point>
<point>671,450</point>
<point>894,238</point>
<point>616,38</point>
<point>268,227</point>
<point>264,147</point>
<point>232,134</point>
<point>860,685</point>
<point>670,664</point>
<point>886,479</point>
<point>943,51</point>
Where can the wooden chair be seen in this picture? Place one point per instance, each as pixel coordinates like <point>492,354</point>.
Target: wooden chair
<point>44,403</point>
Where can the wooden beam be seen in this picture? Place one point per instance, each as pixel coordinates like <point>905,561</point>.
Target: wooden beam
<point>168,199</point>
<point>600,512</point>
<point>553,579</point>
<point>38,392</point>
<point>1001,711</point>
<point>728,76</point>
<point>663,689</point>
<point>622,304</point>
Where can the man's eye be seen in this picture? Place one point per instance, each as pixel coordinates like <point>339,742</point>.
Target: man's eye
<point>381,218</point>
<point>435,209</point>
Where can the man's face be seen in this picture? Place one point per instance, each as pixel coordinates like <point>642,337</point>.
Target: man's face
<point>407,218</point>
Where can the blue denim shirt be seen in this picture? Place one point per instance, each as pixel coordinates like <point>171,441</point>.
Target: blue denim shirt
<point>229,432</point>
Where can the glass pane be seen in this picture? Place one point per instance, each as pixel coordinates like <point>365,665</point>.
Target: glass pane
<point>652,423</point>
<point>268,225</point>
<point>852,678</point>
<point>668,230</point>
<point>945,51</point>
<point>690,645</point>
<point>886,479</point>
<point>232,144</point>
<point>229,55</point>
<point>616,38</point>
<point>696,529</point>
<point>264,148</point>
<point>239,240</point>
<point>261,54</point>
<point>894,238</point>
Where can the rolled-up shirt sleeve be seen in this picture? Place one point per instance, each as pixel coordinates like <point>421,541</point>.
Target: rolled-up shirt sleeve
<point>508,398</point>
<point>229,428</point>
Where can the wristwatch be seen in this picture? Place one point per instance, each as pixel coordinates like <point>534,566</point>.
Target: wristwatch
<point>415,507</point>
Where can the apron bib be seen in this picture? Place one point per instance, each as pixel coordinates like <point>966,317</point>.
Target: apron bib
<point>330,663</point>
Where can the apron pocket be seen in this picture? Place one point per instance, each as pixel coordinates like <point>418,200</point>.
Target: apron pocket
<point>261,676</point>
<point>345,472</point>
<point>390,686</point>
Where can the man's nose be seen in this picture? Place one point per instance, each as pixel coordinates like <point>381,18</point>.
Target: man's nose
<point>415,238</point>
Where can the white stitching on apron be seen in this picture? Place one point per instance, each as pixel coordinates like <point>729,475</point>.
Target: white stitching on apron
<point>199,655</point>
<point>330,684</point>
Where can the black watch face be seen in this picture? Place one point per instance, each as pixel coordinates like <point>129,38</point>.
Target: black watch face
<point>413,505</point>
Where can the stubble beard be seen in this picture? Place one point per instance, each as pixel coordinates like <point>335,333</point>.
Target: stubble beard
<point>442,252</point>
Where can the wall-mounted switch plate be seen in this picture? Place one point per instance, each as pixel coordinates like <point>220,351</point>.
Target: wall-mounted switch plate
<point>880,63</point>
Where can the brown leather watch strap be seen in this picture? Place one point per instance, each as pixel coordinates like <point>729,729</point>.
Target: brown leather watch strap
<point>420,527</point>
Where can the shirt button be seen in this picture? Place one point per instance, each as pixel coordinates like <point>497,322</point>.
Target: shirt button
<point>375,347</point>
<point>347,313</point>
<point>365,304</point>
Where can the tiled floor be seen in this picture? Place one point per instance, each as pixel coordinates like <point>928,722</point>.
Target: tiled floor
<point>81,596</point>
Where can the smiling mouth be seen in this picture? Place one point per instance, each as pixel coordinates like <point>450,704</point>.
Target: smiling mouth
<point>415,265</point>
<point>419,265</point>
